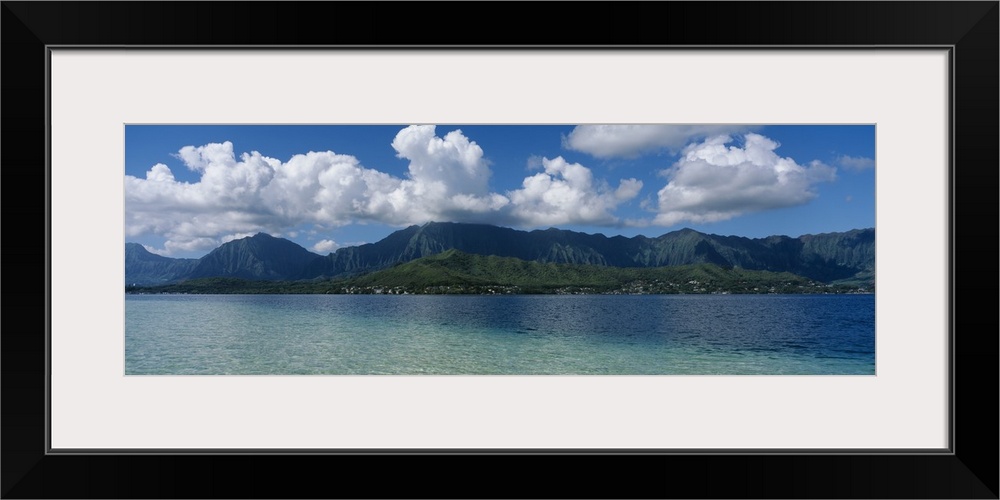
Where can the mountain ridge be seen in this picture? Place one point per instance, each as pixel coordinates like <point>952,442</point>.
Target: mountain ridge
<point>260,256</point>
<point>145,267</point>
<point>824,257</point>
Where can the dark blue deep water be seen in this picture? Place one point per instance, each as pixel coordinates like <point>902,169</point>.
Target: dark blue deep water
<point>500,335</point>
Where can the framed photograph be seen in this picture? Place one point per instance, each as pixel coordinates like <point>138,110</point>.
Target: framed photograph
<point>709,252</point>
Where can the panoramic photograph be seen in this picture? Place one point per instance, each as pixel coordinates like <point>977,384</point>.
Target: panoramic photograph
<point>472,249</point>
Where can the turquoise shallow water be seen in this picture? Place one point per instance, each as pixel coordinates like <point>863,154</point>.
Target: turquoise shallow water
<point>499,335</point>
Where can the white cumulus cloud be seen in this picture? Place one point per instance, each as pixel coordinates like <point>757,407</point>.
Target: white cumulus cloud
<point>713,182</point>
<point>325,246</point>
<point>566,193</point>
<point>447,180</point>
<point>199,158</point>
<point>627,141</point>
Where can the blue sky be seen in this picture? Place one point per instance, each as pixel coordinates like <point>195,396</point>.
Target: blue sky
<point>190,188</point>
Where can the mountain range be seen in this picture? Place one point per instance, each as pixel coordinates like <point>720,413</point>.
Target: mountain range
<point>822,257</point>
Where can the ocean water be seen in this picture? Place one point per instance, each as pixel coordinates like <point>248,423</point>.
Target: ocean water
<point>499,335</point>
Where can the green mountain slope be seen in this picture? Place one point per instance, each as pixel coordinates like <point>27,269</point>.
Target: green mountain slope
<point>824,257</point>
<point>458,272</point>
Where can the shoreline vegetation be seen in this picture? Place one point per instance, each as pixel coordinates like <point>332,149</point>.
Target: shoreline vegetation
<point>456,272</point>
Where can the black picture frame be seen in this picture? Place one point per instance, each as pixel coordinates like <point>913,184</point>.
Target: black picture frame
<point>970,470</point>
